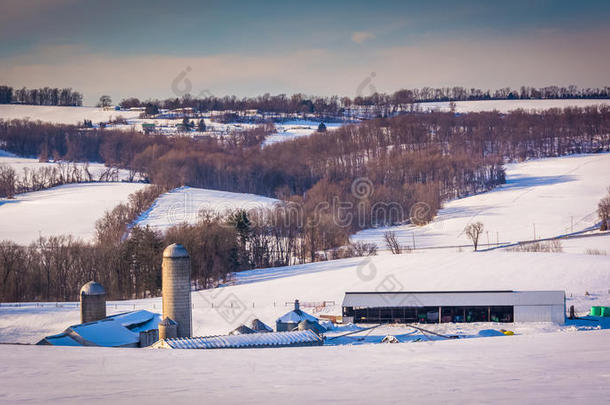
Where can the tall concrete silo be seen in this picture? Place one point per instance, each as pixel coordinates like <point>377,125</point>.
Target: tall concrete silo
<point>176,286</point>
<point>92,302</point>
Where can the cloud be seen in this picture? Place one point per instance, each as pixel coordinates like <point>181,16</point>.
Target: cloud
<point>360,37</point>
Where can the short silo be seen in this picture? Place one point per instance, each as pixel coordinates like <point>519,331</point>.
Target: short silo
<point>92,302</point>
<point>176,288</point>
<point>167,329</point>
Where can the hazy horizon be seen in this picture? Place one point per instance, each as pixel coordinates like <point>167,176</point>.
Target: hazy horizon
<point>148,49</point>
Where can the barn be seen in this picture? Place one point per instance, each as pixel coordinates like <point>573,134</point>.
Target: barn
<point>454,306</point>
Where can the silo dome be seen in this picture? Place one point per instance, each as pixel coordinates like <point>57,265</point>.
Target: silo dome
<point>92,288</point>
<point>92,302</point>
<point>175,251</point>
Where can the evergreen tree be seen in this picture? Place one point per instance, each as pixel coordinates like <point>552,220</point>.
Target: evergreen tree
<point>201,125</point>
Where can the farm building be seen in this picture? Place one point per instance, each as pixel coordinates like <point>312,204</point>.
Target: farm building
<point>259,326</point>
<point>251,340</point>
<point>130,329</point>
<point>291,320</point>
<point>454,306</point>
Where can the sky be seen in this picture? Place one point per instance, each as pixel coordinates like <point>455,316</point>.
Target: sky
<point>160,49</point>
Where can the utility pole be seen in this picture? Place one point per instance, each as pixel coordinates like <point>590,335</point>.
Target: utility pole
<point>487,237</point>
<point>413,236</point>
<point>534,231</point>
<point>498,238</point>
<point>572,224</point>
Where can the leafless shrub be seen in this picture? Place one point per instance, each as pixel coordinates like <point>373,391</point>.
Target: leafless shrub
<point>551,246</point>
<point>392,243</point>
<point>596,252</point>
<point>603,210</point>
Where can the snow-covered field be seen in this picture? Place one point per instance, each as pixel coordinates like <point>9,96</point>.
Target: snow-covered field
<point>62,115</point>
<point>69,209</point>
<point>294,129</point>
<point>550,368</point>
<point>74,208</point>
<point>549,196</point>
<point>185,203</point>
<point>509,105</point>
<point>543,362</point>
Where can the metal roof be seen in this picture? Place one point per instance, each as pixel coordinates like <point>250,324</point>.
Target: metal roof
<point>175,250</point>
<point>114,331</point>
<point>451,298</point>
<point>254,340</point>
<point>296,316</point>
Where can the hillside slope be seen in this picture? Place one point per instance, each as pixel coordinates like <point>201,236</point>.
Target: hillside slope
<point>547,196</point>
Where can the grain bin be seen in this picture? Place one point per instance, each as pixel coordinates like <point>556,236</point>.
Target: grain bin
<point>92,302</point>
<point>176,288</point>
<point>167,329</point>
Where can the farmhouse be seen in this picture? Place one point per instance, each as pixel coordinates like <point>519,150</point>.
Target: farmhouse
<point>454,306</point>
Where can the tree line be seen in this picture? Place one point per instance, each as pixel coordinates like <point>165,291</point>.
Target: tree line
<point>41,178</point>
<point>40,96</point>
<point>336,105</point>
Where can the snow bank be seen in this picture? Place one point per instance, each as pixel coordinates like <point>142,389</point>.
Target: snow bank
<point>550,368</point>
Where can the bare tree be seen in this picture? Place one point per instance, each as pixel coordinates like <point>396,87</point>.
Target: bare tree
<point>603,210</point>
<point>473,231</point>
<point>392,242</point>
<point>8,179</point>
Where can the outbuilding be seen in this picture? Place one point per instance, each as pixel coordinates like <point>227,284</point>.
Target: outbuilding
<point>290,320</point>
<point>454,306</point>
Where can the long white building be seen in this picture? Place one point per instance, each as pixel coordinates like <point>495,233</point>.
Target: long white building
<point>454,306</point>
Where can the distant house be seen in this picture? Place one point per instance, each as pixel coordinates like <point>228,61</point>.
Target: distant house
<point>130,329</point>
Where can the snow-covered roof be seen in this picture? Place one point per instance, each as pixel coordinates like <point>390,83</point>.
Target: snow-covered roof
<point>115,331</point>
<point>254,340</point>
<point>296,316</point>
<point>92,288</point>
<point>175,250</point>
<point>459,298</point>
<point>241,330</point>
<point>260,326</point>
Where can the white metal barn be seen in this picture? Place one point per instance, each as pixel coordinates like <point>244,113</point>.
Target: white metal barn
<point>454,306</point>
